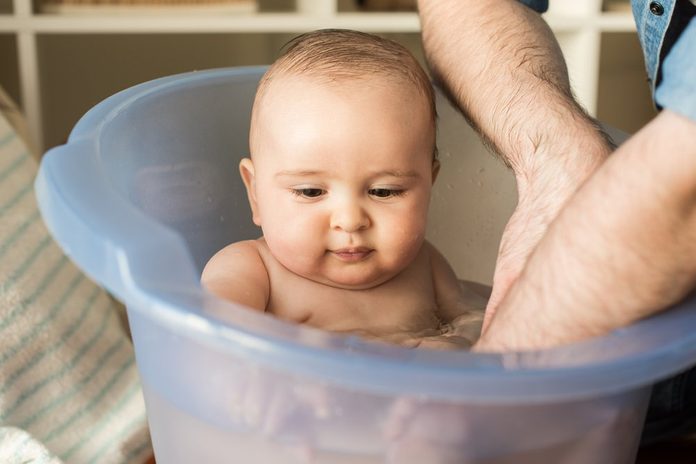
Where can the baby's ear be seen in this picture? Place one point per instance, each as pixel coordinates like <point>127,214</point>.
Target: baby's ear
<point>246,170</point>
<point>435,170</point>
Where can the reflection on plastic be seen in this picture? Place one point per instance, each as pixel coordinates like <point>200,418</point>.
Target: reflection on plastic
<point>177,192</point>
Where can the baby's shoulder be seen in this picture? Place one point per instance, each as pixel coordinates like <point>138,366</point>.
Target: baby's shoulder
<point>237,249</point>
<point>237,273</point>
<point>242,254</point>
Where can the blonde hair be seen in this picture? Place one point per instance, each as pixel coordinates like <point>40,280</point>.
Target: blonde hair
<point>334,55</point>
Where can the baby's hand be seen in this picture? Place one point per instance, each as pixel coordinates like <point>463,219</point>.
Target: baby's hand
<point>444,342</point>
<point>406,339</point>
<point>466,326</point>
<point>461,333</point>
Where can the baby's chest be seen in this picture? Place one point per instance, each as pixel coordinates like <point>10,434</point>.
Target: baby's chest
<point>400,306</point>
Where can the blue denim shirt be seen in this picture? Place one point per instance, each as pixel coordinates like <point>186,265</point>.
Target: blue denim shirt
<point>670,64</point>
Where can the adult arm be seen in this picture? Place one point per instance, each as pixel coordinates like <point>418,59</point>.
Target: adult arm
<point>500,63</point>
<point>622,249</point>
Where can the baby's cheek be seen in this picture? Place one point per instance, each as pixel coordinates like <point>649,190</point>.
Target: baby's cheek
<point>294,244</point>
<point>406,241</point>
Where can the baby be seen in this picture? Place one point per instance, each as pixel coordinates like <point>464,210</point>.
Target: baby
<point>342,162</point>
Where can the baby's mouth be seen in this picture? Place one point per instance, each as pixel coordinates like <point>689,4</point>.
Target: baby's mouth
<point>352,254</point>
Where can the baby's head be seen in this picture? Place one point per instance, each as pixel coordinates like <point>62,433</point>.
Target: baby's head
<point>341,57</point>
<point>343,157</point>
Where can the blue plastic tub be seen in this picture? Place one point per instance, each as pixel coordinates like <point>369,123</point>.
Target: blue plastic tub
<point>146,190</point>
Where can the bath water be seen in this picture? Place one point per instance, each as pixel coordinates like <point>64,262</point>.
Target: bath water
<point>435,437</point>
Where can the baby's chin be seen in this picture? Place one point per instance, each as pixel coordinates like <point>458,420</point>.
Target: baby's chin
<point>349,282</point>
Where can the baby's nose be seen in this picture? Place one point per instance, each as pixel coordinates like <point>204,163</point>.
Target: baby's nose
<point>350,217</point>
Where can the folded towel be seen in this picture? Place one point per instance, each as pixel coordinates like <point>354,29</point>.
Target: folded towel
<point>69,388</point>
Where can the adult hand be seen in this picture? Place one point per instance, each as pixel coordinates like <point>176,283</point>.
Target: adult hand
<point>501,64</point>
<point>540,201</point>
<point>620,250</point>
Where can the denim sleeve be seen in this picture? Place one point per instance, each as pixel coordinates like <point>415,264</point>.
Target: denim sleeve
<point>677,89</point>
<point>539,5</point>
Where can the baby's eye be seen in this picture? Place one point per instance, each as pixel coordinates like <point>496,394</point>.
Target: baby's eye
<point>308,192</point>
<point>385,192</point>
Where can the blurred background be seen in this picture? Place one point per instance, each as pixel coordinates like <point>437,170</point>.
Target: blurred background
<point>61,57</point>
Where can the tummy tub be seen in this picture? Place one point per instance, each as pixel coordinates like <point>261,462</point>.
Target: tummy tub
<point>146,190</point>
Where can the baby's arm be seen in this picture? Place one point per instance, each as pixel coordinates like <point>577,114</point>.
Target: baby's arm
<point>237,273</point>
<point>459,308</point>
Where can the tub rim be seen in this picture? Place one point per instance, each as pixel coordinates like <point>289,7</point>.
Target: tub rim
<point>541,375</point>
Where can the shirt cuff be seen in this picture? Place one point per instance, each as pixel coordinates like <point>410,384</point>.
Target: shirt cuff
<point>538,5</point>
<point>677,88</point>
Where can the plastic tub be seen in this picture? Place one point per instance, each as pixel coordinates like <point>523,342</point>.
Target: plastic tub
<point>146,190</point>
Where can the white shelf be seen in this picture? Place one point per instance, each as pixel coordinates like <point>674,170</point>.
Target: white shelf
<point>577,25</point>
<point>202,23</point>
<point>198,22</point>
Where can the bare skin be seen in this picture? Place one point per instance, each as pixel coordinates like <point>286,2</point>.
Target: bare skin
<point>591,246</point>
<point>511,82</point>
<point>343,201</point>
<point>601,268</point>
<point>410,309</point>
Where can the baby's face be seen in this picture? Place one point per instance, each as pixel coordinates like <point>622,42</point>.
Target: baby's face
<point>341,178</point>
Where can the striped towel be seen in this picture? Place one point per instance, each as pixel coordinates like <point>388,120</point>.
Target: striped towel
<point>69,389</point>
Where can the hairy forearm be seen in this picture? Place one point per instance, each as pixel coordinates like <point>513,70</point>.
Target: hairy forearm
<point>499,61</point>
<point>623,248</point>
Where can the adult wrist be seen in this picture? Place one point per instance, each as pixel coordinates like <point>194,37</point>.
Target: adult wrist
<point>560,161</point>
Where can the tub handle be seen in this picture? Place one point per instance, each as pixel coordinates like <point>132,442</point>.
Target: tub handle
<point>113,242</point>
